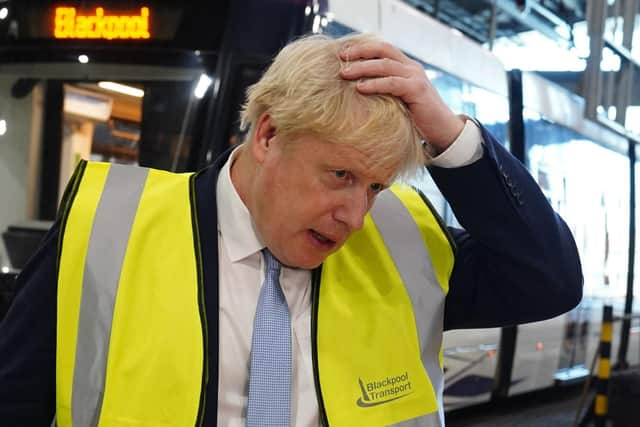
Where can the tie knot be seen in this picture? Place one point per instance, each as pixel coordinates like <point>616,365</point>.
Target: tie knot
<point>271,264</point>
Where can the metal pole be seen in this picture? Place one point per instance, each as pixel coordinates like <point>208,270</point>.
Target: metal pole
<point>592,86</point>
<point>621,362</point>
<point>183,131</point>
<point>493,23</point>
<point>625,78</point>
<point>610,77</point>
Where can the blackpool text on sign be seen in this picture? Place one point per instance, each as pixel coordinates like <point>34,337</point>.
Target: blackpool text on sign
<point>71,25</point>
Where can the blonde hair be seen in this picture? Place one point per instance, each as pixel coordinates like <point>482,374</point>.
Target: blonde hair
<point>304,93</point>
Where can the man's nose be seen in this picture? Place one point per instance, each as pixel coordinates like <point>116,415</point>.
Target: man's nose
<point>353,209</point>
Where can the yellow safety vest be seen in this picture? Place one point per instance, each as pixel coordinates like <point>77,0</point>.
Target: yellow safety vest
<point>131,346</point>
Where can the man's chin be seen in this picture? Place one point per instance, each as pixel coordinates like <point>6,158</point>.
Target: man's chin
<point>305,264</point>
<point>310,258</point>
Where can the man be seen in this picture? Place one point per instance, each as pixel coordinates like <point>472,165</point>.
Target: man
<point>259,291</point>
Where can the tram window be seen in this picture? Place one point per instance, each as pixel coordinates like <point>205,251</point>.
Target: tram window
<point>100,125</point>
<point>463,97</point>
<point>151,123</point>
<point>491,109</point>
<point>116,140</point>
<point>56,112</point>
<point>587,184</point>
<point>127,123</point>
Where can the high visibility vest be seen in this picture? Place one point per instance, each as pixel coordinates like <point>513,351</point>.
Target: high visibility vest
<point>131,328</point>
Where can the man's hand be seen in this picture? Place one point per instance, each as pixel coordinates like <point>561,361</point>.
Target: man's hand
<point>386,70</point>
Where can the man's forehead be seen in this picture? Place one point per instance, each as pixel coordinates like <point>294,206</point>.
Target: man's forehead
<point>365,162</point>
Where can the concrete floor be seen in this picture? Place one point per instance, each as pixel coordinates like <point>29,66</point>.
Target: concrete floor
<point>547,408</point>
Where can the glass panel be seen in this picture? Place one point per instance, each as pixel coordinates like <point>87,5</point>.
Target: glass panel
<point>108,116</point>
<point>587,185</point>
<point>464,98</point>
<point>149,125</point>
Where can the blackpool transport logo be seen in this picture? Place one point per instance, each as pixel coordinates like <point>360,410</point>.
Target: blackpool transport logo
<point>382,391</point>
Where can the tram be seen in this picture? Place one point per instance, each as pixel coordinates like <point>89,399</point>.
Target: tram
<point>584,170</point>
<point>137,82</point>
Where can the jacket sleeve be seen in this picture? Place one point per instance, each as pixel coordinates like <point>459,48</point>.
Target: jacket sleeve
<point>516,261</point>
<point>28,343</point>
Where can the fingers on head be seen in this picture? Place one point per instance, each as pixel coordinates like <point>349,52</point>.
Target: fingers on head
<point>371,50</point>
<point>377,68</point>
<point>393,85</point>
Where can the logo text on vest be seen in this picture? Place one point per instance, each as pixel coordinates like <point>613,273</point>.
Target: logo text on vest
<point>383,391</point>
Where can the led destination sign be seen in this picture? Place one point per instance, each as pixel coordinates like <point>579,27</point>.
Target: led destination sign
<point>70,24</point>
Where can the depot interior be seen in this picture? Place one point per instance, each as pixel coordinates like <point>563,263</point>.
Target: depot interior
<point>563,96</point>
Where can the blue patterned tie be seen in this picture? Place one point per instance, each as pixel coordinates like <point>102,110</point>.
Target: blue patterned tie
<point>270,374</point>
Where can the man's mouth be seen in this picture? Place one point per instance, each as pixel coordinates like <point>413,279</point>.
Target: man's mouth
<point>322,240</point>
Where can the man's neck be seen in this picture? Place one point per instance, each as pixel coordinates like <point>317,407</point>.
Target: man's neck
<point>242,174</point>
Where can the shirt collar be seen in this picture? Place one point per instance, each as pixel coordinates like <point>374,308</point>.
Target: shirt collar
<point>235,224</point>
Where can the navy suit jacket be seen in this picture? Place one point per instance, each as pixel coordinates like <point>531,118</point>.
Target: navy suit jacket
<point>515,262</point>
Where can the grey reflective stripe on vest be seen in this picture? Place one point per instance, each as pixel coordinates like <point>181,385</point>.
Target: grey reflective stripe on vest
<point>411,258</point>
<point>108,242</point>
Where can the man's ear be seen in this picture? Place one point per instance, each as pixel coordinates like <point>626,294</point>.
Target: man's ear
<point>263,138</point>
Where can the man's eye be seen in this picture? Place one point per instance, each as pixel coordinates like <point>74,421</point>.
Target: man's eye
<point>340,174</point>
<point>376,187</point>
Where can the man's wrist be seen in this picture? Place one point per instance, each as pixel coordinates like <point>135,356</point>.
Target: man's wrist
<point>448,134</point>
<point>465,149</point>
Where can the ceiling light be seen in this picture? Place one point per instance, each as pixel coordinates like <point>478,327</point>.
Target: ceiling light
<point>83,59</point>
<point>316,24</point>
<point>202,86</point>
<point>120,88</point>
<point>4,12</point>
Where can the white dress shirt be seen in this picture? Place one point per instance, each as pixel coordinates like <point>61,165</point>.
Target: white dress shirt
<point>241,274</point>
